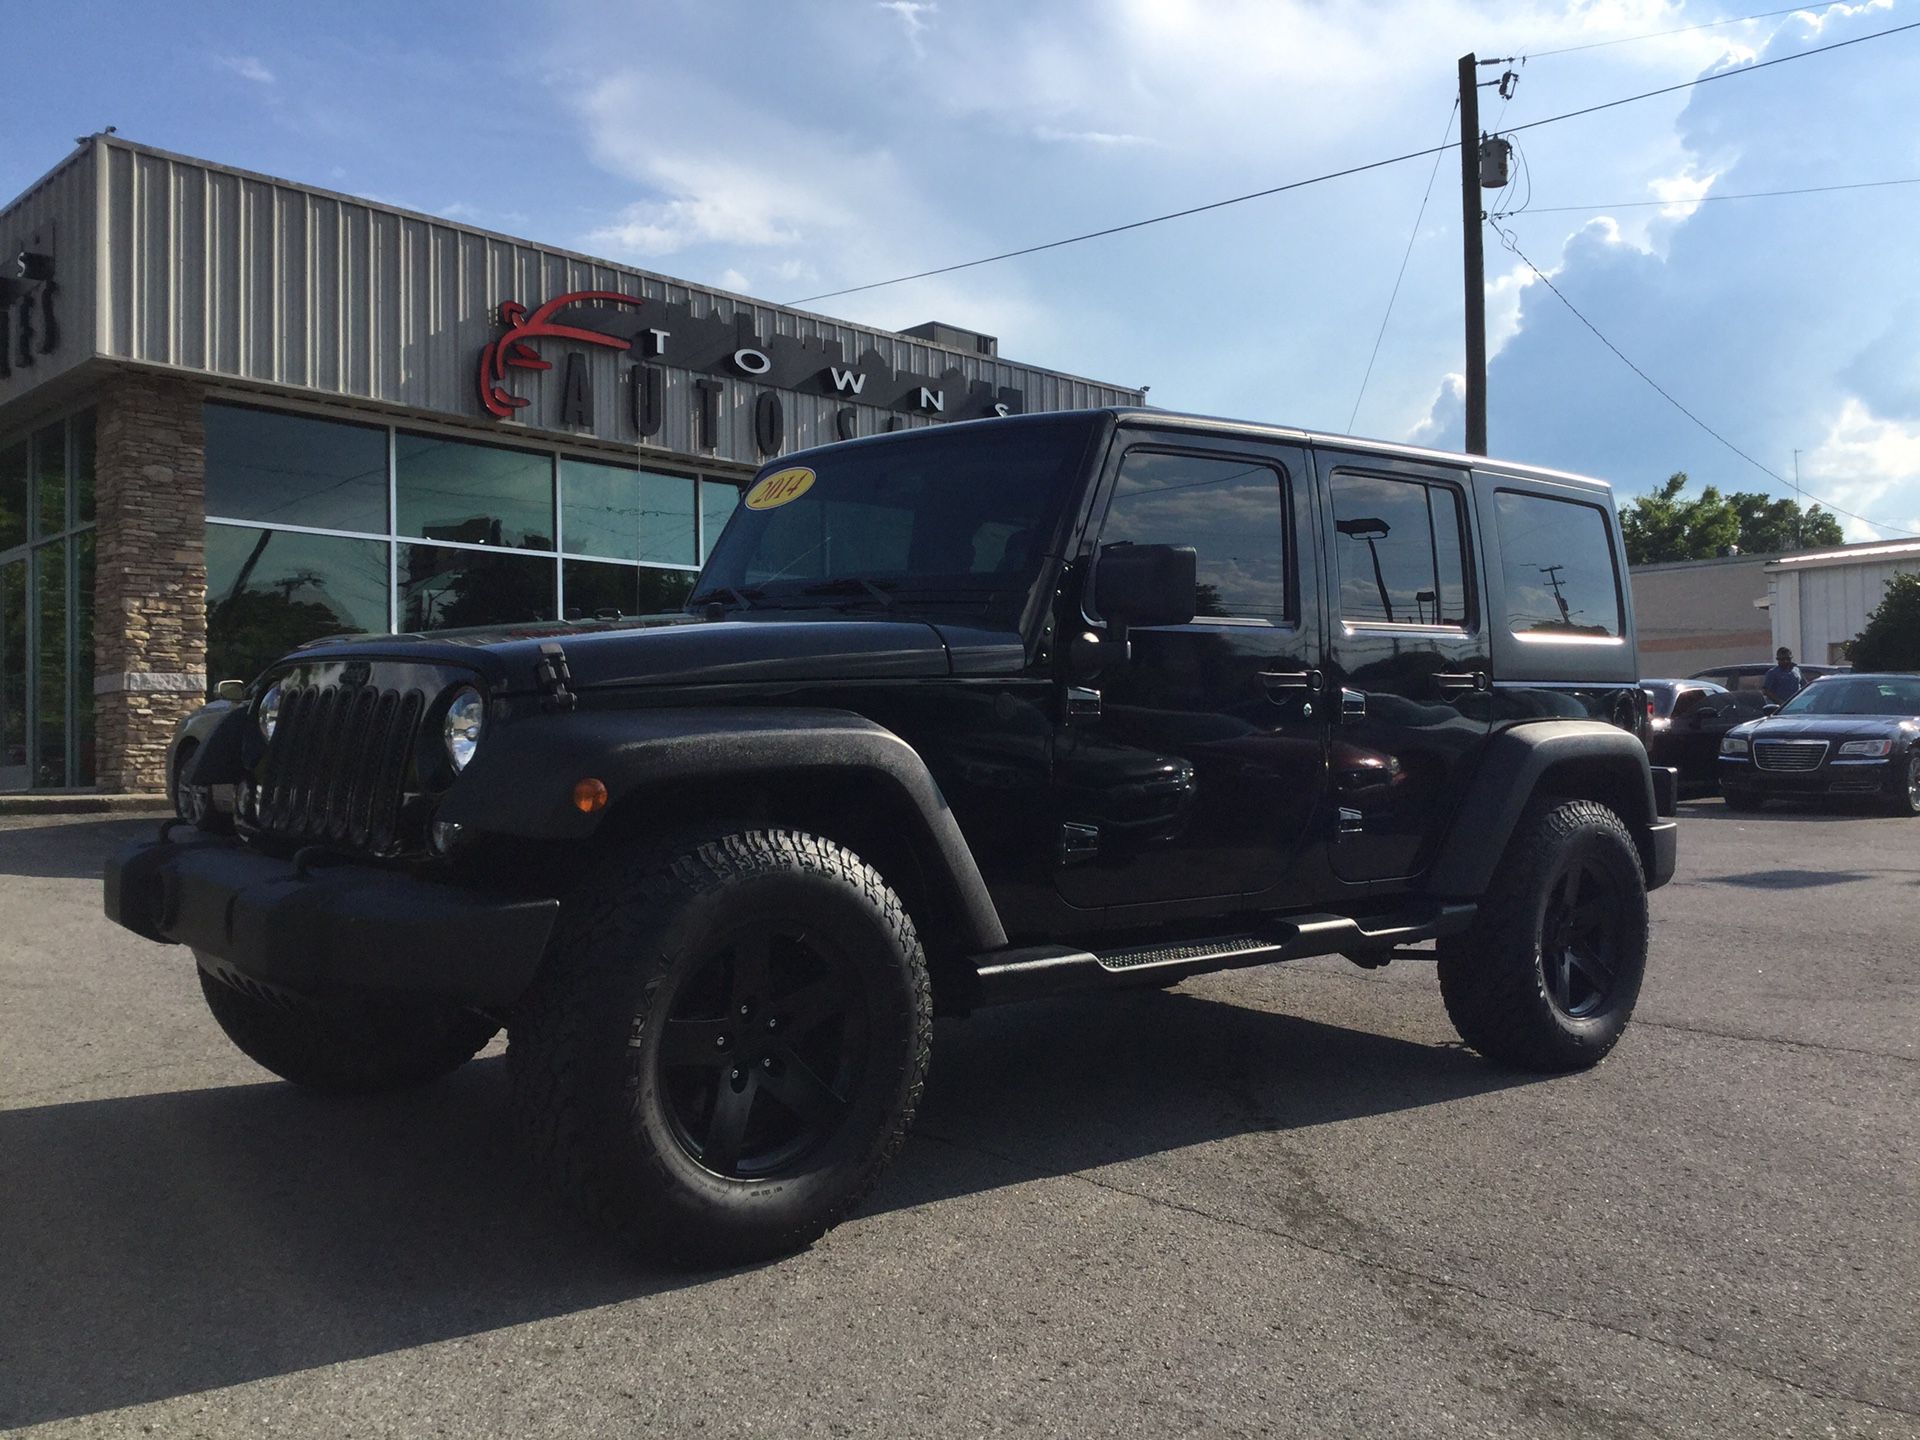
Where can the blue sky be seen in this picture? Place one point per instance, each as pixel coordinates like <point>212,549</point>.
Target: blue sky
<point>788,149</point>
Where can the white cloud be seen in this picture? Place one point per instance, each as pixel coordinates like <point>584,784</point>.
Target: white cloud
<point>1862,463</point>
<point>732,279</point>
<point>247,67</point>
<point>1054,135</point>
<point>913,15</point>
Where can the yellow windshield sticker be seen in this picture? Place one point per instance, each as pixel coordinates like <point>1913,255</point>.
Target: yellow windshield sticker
<point>780,487</point>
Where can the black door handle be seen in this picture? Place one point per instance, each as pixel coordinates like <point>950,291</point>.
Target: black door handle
<point>1293,680</point>
<point>1449,683</point>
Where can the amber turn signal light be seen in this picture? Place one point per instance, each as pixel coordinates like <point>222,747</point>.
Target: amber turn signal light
<point>589,796</point>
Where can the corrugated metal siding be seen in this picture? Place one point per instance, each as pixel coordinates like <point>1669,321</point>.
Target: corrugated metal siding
<point>60,206</point>
<point>1835,601</point>
<point>253,280</point>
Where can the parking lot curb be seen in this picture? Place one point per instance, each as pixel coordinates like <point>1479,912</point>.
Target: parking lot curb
<point>83,804</point>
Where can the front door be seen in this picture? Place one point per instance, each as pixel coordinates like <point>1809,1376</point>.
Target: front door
<point>1409,658</point>
<point>1195,768</point>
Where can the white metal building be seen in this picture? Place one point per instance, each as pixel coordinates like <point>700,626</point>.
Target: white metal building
<point>1820,599</point>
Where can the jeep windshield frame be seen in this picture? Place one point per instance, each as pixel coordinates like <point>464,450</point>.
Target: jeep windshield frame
<point>962,518</point>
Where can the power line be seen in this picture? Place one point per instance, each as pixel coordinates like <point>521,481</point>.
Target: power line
<point>1703,199</point>
<point>1506,239</point>
<point>1340,174</point>
<point>1405,256</point>
<point>1659,34</point>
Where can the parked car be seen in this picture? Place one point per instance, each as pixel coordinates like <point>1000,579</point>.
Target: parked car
<point>1742,682</point>
<point>1051,703</point>
<point>1686,722</point>
<point>1844,735</point>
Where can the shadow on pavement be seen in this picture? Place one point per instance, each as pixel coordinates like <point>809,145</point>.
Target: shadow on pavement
<point>1789,879</point>
<point>165,1244</point>
<point>69,849</point>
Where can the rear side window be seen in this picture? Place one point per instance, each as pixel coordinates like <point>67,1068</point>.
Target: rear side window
<point>1401,551</point>
<point>1232,512</point>
<point>1556,558</point>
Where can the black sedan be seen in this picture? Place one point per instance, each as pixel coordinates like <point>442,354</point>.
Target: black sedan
<point>1844,735</point>
<point>1685,726</point>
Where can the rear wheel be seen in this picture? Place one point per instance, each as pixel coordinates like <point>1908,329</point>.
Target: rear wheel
<point>1547,977</point>
<point>727,1044</point>
<point>362,1050</point>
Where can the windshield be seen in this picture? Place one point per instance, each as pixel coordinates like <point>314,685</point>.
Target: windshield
<point>957,518</point>
<point>1890,695</point>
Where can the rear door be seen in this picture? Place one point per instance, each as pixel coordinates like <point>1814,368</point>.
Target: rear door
<point>1196,768</point>
<point>1410,667</point>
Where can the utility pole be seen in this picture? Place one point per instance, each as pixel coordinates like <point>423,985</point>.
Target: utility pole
<point>1799,506</point>
<point>1476,283</point>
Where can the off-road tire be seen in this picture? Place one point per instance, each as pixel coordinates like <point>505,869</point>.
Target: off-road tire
<point>366,1050</point>
<point>1745,801</point>
<point>586,1047</point>
<point>1493,977</point>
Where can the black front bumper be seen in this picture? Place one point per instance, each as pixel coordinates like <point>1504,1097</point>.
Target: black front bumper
<point>331,928</point>
<point>1826,781</point>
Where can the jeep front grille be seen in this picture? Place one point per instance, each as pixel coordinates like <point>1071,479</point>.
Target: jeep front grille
<point>336,768</point>
<point>1789,754</point>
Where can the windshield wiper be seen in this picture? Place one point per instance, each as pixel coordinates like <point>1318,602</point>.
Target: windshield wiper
<point>739,595</point>
<point>846,586</point>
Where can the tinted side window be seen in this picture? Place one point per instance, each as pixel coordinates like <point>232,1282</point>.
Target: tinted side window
<point>1400,549</point>
<point>1557,560</point>
<point>1232,512</point>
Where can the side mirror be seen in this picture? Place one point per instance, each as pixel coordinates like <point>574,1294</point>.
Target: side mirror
<point>233,691</point>
<point>1145,584</point>
<point>1769,709</point>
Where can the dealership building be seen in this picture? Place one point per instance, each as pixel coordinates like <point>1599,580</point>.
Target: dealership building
<point>238,413</point>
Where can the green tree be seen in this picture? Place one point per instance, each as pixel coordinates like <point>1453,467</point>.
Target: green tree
<point>1891,640</point>
<point>1669,525</point>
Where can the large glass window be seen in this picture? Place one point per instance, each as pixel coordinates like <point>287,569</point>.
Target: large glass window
<point>1556,557</point>
<point>1233,513</point>
<point>46,607</point>
<point>14,771</point>
<point>718,501</point>
<point>443,587</point>
<point>14,502</point>
<point>1400,549</point>
<point>473,494</point>
<point>270,590</point>
<point>295,470</point>
<point>472,539</point>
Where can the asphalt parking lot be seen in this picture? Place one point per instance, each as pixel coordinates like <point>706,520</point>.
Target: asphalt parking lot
<point>1279,1201</point>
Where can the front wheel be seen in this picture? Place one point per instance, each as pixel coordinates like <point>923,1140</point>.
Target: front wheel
<point>1548,975</point>
<point>365,1049</point>
<point>727,1044</point>
<point>1904,796</point>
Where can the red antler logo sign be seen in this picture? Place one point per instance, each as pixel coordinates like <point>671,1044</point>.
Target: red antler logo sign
<point>514,350</point>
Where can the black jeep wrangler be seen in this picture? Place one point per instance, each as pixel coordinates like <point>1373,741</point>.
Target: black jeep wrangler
<point>1064,702</point>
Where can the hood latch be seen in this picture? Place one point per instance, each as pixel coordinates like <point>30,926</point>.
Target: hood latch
<point>554,679</point>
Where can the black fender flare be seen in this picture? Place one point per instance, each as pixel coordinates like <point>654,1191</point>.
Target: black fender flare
<point>520,782</point>
<point>1595,759</point>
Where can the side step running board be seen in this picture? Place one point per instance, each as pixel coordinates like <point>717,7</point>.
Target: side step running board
<point>1040,970</point>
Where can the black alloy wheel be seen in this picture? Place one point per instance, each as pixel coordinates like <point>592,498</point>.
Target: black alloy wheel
<point>1580,941</point>
<point>761,1049</point>
<point>1548,975</point>
<point>726,1044</point>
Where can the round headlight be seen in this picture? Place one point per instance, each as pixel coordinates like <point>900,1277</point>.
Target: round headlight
<point>269,713</point>
<point>466,718</point>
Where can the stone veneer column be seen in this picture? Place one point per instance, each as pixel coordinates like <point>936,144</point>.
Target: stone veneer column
<point>150,581</point>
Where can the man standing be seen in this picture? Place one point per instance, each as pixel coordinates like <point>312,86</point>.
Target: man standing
<point>1783,682</point>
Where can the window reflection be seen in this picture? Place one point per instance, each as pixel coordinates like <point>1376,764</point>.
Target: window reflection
<point>718,501</point>
<point>1398,543</point>
<point>1228,510</point>
<point>270,590</point>
<point>476,494</point>
<point>1556,558</point>
<point>443,588</point>
<point>610,591</point>
<point>295,470</point>
<point>13,496</point>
